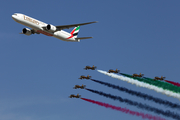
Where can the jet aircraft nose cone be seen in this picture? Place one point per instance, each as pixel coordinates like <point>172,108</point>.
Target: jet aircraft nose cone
<point>14,17</point>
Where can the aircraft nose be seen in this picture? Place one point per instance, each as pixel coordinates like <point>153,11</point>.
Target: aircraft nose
<point>14,17</point>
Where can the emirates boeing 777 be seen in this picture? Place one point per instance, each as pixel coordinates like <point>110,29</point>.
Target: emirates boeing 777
<point>48,29</point>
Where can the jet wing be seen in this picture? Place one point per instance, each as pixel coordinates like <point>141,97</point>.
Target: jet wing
<point>73,25</point>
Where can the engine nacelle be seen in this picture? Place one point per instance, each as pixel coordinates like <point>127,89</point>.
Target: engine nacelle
<point>51,28</point>
<point>26,31</point>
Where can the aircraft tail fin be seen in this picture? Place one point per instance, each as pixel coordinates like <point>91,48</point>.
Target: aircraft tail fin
<point>75,31</point>
<point>74,34</point>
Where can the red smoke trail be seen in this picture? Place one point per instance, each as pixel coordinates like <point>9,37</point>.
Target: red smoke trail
<point>174,83</point>
<point>125,110</point>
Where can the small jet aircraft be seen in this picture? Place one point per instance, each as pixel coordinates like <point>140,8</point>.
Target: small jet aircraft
<point>113,71</point>
<point>75,96</point>
<point>84,77</point>
<point>136,75</point>
<point>92,68</point>
<point>159,78</point>
<point>49,29</point>
<point>78,86</point>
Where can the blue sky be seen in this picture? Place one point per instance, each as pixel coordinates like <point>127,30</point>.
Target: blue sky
<point>38,72</point>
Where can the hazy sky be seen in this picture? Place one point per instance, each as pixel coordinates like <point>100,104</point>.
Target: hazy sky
<point>38,72</point>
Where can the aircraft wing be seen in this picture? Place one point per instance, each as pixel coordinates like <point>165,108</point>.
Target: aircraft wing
<point>73,25</point>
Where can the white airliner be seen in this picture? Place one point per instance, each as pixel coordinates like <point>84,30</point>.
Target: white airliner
<point>48,29</point>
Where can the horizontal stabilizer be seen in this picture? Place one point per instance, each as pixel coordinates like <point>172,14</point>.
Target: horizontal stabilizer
<point>81,38</point>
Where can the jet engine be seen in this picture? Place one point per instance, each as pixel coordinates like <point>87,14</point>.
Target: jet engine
<point>26,31</point>
<point>51,28</point>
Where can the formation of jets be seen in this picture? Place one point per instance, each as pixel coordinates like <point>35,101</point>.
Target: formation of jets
<point>78,86</point>
<point>82,86</point>
<point>113,71</point>
<point>109,71</point>
<point>38,27</point>
<point>88,67</point>
<point>85,77</point>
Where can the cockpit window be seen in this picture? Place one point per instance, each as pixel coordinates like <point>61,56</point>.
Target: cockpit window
<point>15,14</point>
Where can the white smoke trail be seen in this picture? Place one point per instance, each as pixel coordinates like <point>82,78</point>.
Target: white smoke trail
<point>142,84</point>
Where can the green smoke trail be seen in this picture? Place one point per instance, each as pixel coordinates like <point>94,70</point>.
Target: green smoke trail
<point>157,83</point>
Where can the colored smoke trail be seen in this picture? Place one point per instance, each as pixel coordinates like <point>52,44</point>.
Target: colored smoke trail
<point>141,95</point>
<point>157,83</point>
<point>141,84</point>
<point>125,110</point>
<point>174,83</point>
<point>139,105</point>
